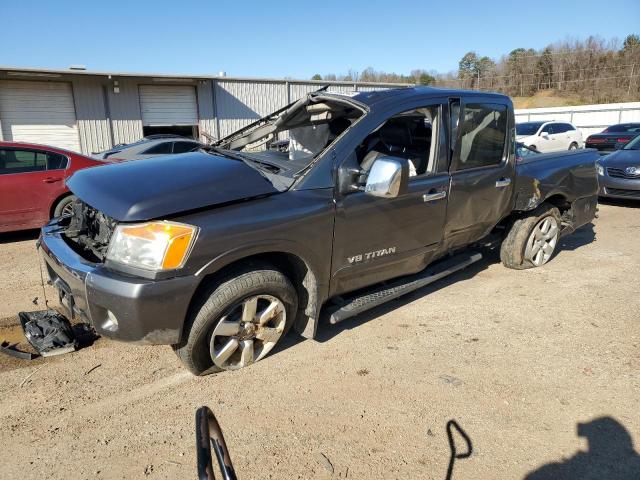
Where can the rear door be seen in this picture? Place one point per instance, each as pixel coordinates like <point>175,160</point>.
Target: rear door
<point>482,168</point>
<point>26,187</point>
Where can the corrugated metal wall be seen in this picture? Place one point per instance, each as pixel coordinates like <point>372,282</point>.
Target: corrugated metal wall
<point>106,118</point>
<point>124,111</point>
<point>238,103</point>
<point>206,112</point>
<point>93,125</point>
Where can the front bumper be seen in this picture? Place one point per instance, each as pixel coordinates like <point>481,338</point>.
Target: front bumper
<point>611,187</point>
<point>146,311</point>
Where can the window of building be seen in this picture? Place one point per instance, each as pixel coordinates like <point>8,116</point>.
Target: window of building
<point>482,136</point>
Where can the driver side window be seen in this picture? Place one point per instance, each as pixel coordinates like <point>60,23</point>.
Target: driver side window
<point>412,135</point>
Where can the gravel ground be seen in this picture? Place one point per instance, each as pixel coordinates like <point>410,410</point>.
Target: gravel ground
<point>539,367</point>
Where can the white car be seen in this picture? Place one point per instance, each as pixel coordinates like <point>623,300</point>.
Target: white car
<point>549,136</point>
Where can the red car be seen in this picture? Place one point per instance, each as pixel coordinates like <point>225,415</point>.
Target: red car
<point>33,183</point>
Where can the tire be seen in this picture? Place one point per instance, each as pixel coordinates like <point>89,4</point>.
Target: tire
<point>63,206</point>
<point>573,146</point>
<point>222,306</point>
<point>518,250</point>
<point>534,147</point>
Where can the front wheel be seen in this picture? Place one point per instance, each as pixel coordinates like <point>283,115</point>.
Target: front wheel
<point>531,240</point>
<point>238,322</point>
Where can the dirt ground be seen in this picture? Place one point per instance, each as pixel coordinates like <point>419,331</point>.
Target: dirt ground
<point>539,367</point>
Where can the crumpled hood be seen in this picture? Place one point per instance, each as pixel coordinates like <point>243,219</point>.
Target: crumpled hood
<point>162,186</point>
<point>622,158</point>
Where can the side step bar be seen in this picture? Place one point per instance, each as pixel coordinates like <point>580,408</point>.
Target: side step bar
<point>396,288</point>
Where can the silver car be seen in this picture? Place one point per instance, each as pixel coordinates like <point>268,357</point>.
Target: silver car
<point>619,172</point>
<point>149,147</point>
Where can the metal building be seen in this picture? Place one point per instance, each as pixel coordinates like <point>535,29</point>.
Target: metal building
<point>92,111</point>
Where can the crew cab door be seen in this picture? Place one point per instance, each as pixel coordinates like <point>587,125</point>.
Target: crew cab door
<point>482,168</point>
<point>375,238</point>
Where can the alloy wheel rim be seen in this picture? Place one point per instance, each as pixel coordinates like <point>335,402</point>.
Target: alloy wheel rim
<point>542,241</point>
<point>67,210</point>
<point>248,332</point>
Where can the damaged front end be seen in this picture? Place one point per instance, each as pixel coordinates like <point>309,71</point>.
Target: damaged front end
<point>88,231</point>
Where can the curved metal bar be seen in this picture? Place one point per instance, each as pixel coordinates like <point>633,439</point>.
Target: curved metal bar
<point>208,434</point>
<point>453,425</point>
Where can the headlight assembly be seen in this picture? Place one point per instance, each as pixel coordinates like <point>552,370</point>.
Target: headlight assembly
<point>152,246</point>
<point>600,169</point>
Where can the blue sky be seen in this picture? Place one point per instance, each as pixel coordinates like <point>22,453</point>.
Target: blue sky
<point>292,38</point>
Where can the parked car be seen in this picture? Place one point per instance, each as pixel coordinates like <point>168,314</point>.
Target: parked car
<point>149,147</point>
<point>619,172</point>
<point>33,183</point>
<point>612,137</point>
<point>549,136</point>
<point>219,253</point>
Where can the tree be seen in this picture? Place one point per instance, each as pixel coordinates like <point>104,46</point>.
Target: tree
<point>468,66</point>
<point>544,69</point>
<point>631,43</point>
<point>317,76</point>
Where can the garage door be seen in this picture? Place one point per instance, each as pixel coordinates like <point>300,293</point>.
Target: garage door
<point>39,112</point>
<point>168,105</point>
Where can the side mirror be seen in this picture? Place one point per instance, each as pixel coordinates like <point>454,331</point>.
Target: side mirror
<point>388,177</point>
<point>544,134</point>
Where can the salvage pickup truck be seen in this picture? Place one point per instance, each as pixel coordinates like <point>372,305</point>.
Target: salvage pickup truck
<point>341,201</point>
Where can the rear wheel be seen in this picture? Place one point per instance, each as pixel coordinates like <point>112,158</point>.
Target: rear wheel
<point>239,321</point>
<point>531,240</point>
<point>573,146</point>
<point>64,206</point>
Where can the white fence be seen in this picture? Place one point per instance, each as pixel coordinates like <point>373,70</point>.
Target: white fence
<point>588,118</point>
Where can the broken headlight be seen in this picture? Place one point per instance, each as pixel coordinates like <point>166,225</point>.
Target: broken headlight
<point>152,245</point>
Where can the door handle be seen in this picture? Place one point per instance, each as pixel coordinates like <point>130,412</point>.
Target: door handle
<point>430,197</point>
<point>51,180</point>
<point>503,182</point>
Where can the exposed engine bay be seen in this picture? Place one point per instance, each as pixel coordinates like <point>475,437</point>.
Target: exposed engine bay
<point>88,231</point>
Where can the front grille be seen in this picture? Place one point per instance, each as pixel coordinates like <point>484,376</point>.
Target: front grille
<point>89,231</point>
<point>620,173</point>
<point>622,192</point>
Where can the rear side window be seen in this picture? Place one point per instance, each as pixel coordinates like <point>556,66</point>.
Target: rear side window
<point>183,147</point>
<point>21,161</point>
<point>559,128</point>
<point>483,128</point>
<point>569,127</point>
<point>55,161</point>
<point>160,149</point>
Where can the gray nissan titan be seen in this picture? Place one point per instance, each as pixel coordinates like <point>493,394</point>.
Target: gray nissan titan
<point>337,202</point>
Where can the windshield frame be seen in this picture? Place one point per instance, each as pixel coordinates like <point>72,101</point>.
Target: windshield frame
<point>228,142</point>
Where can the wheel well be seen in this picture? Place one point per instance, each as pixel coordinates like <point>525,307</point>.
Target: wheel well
<point>295,268</point>
<point>57,201</point>
<point>558,200</point>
